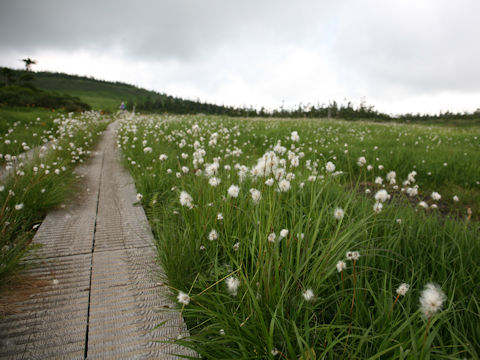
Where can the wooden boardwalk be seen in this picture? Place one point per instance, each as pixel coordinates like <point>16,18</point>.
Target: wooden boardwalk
<point>102,300</point>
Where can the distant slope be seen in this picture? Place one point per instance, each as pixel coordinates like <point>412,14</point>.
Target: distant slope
<point>99,94</point>
<point>106,95</point>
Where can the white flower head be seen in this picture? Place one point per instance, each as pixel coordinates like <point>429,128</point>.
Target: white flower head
<point>283,233</point>
<point>232,285</point>
<point>284,185</point>
<point>19,206</point>
<point>361,161</point>
<point>308,295</point>
<point>377,207</point>
<point>183,298</point>
<point>256,195</point>
<point>353,255</point>
<point>341,265</point>
<point>271,237</point>
<point>431,300</point>
<point>330,167</point>
<point>455,198</point>
<point>186,199</point>
<point>294,136</point>
<point>423,204</point>
<point>139,197</point>
<point>233,191</point>
<point>339,213</point>
<point>402,289</point>
<point>269,182</point>
<point>382,195</point>
<point>436,196</point>
<point>214,181</point>
<point>213,235</point>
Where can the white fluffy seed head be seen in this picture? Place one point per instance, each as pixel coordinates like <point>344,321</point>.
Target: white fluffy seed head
<point>213,235</point>
<point>256,195</point>
<point>183,298</point>
<point>308,295</point>
<point>185,199</point>
<point>271,237</point>
<point>382,195</point>
<point>341,265</point>
<point>403,289</point>
<point>232,285</point>
<point>284,185</point>
<point>339,213</point>
<point>353,255</point>
<point>431,300</point>
<point>330,167</point>
<point>233,191</point>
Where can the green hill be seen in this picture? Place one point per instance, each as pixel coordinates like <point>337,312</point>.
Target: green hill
<point>101,95</point>
<point>107,96</point>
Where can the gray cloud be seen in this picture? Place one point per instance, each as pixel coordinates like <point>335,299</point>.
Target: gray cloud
<point>260,52</point>
<point>157,30</point>
<point>427,46</point>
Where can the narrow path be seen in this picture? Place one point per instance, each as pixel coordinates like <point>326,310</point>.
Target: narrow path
<point>98,257</point>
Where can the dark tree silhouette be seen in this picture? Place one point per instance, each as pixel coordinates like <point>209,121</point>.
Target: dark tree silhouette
<point>28,63</point>
<point>8,76</point>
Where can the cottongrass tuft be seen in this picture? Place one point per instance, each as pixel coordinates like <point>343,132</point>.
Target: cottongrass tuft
<point>213,235</point>
<point>403,289</point>
<point>284,185</point>
<point>341,265</point>
<point>330,167</point>
<point>431,300</point>
<point>232,285</point>
<point>353,255</point>
<point>256,195</point>
<point>183,298</point>
<point>185,199</point>
<point>271,237</point>
<point>382,195</point>
<point>308,295</point>
<point>233,191</point>
<point>339,213</point>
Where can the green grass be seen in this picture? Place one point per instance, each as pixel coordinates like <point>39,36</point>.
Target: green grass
<point>31,127</point>
<point>34,187</point>
<point>353,314</point>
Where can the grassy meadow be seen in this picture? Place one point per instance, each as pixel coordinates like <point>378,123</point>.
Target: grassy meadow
<point>309,239</point>
<point>22,129</point>
<point>33,187</point>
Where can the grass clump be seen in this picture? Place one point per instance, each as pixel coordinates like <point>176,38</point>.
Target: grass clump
<point>274,248</point>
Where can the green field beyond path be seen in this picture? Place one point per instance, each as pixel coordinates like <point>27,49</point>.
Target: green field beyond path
<point>292,238</point>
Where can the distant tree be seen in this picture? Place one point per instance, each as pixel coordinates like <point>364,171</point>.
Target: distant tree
<point>26,79</point>
<point>28,63</point>
<point>8,76</point>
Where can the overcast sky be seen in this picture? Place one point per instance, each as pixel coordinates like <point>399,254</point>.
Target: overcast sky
<point>398,55</point>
